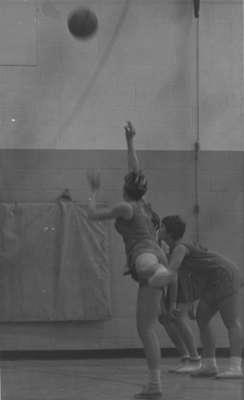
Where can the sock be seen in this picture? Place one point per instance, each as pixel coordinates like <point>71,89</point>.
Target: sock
<point>235,363</point>
<point>155,377</point>
<point>209,362</point>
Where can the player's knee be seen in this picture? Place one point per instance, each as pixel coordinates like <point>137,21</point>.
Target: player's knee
<point>232,324</point>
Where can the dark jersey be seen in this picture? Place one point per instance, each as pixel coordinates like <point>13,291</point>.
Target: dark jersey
<point>207,271</point>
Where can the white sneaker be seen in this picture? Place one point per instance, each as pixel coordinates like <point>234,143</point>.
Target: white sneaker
<point>191,367</point>
<point>150,391</point>
<point>184,361</point>
<point>205,372</point>
<point>230,374</point>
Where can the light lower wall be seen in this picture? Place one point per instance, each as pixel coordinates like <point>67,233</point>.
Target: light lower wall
<point>41,175</point>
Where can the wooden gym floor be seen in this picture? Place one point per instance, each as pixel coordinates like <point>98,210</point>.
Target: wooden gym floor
<point>106,379</point>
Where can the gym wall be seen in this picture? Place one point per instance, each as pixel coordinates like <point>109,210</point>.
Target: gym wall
<point>63,105</point>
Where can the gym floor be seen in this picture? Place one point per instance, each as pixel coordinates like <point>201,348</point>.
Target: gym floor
<point>105,380</point>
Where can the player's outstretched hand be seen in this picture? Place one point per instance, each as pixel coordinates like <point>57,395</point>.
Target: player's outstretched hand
<point>129,131</point>
<point>94,180</point>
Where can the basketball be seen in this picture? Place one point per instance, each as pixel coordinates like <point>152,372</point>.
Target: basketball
<point>82,23</point>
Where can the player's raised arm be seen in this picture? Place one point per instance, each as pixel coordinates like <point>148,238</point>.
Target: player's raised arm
<point>133,162</point>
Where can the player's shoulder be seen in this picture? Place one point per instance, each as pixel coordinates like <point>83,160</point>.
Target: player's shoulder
<point>182,248</point>
<point>123,209</point>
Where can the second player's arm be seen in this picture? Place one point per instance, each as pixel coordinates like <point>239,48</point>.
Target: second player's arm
<point>175,261</point>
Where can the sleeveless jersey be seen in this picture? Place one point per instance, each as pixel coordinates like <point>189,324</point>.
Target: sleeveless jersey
<point>138,234</point>
<point>207,270</point>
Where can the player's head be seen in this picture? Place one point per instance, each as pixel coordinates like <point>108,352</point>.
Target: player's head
<point>172,228</point>
<point>135,186</point>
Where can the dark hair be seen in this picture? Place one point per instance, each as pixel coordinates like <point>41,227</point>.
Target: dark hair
<point>135,185</point>
<point>175,226</point>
